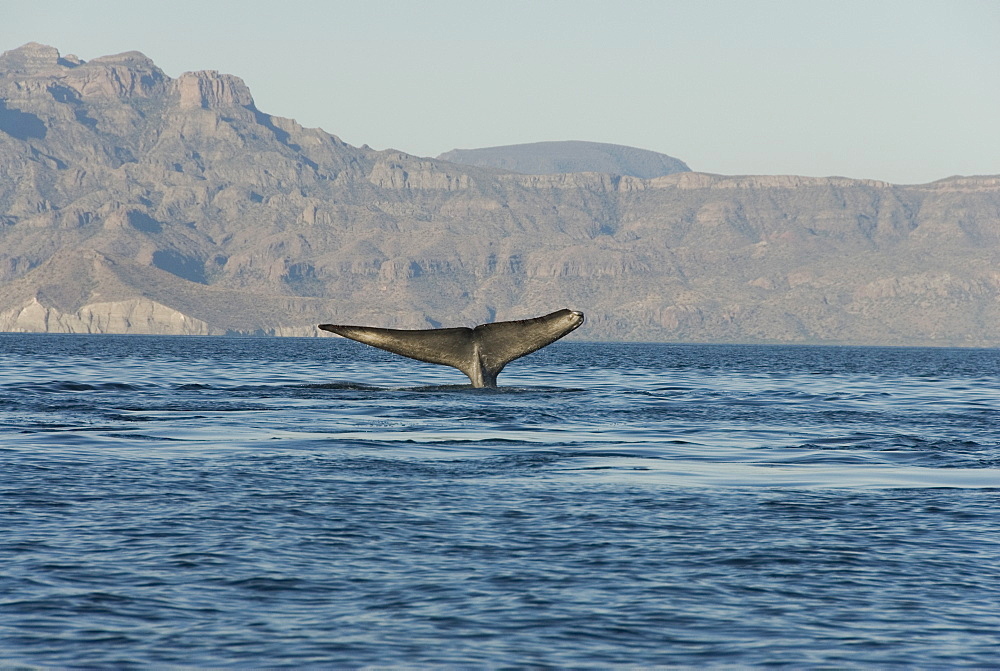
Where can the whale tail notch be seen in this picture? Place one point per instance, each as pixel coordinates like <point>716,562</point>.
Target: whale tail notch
<point>480,352</point>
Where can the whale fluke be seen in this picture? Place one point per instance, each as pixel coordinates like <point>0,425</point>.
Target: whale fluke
<point>481,353</point>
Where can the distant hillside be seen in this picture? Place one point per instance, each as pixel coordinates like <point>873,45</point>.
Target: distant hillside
<point>546,158</point>
<point>133,202</point>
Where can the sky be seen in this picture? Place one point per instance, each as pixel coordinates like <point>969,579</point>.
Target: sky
<point>906,91</point>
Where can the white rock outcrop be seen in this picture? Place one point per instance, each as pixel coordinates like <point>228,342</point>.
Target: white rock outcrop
<point>137,315</point>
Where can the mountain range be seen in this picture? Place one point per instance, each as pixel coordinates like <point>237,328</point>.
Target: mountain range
<point>133,202</point>
<point>545,158</point>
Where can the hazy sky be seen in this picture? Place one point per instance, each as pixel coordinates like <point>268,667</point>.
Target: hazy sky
<point>902,90</point>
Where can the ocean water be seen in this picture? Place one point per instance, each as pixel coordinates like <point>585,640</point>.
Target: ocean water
<point>226,502</point>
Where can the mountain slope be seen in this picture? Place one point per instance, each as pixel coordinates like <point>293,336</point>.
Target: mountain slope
<point>542,158</point>
<point>134,202</point>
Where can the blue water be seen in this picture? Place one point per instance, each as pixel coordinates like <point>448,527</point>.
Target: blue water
<point>218,502</point>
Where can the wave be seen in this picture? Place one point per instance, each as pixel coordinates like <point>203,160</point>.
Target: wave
<point>71,386</point>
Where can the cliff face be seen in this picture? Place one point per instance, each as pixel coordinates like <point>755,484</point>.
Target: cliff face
<point>134,202</point>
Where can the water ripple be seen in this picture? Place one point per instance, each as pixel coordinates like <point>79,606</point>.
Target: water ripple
<point>213,502</point>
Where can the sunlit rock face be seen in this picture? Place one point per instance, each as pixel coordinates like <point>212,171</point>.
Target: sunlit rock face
<point>131,201</point>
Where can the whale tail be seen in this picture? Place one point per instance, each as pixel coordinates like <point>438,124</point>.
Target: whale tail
<point>481,353</point>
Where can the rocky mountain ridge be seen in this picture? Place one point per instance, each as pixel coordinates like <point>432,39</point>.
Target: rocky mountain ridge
<point>134,202</point>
